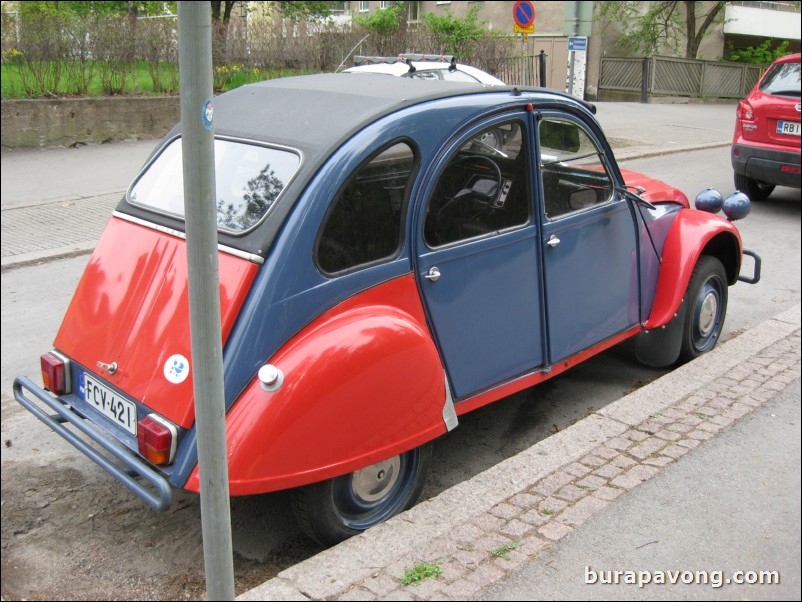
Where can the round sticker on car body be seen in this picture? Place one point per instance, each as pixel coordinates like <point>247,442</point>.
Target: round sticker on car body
<point>176,369</point>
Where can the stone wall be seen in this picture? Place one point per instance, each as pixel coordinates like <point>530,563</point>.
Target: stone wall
<point>66,122</point>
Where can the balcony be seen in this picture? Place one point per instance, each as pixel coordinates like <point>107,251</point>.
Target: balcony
<point>763,19</point>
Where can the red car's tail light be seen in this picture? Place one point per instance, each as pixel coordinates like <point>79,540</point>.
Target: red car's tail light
<point>744,111</point>
<point>55,372</point>
<point>157,439</point>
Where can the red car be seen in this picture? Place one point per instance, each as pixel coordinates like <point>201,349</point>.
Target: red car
<point>765,147</point>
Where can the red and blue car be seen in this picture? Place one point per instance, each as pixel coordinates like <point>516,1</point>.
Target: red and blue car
<point>393,254</point>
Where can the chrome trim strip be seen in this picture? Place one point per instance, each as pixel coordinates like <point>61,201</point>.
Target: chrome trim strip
<point>253,258</point>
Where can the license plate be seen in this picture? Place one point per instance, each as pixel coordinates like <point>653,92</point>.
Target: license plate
<point>790,128</point>
<point>115,407</point>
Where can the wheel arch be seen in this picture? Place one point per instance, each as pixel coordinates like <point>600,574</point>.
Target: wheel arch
<point>361,383</point>
<point>693,234</point>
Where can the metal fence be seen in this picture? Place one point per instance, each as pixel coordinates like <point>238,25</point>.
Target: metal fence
<point>668,76</point>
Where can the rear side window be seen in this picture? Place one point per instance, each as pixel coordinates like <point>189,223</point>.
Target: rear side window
<point>249,179</point>
<point>365,222</point>
<point>782,79</point>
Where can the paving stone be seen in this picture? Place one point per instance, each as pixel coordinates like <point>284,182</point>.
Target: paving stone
<point>505,510</point>
<point>605,452</point>
<point>700,435</point>
<point>608,471</point>
<point>525,500</point>
<point>675,451</point>
<point>593,461</point>
<point>554,530</point>
<point>582,511</point>
<point>593,481</point>
<point>551,506</point>
<point>646,448</point>
<point>552,483</point>
<point>608,493</point>
<point>516,528</point>
<point>636,436</point>
<point>534,517</point>
<point>357,593</point>
<point>576,469</point>
<point>571,493</point>
<point>659,461</point>
<point>634,476</point>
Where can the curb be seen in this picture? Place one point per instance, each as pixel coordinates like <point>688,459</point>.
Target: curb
<point>530,501</point>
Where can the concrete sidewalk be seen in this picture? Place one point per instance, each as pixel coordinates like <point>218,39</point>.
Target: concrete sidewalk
<point>56,202</point>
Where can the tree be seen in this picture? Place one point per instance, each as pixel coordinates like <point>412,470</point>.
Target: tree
<point>456,36</point>
<point>662,24</point>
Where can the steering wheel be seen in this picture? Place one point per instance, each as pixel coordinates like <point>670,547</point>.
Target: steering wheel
<point>478,188</point>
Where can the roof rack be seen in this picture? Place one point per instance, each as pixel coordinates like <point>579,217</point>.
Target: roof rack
<point>403,58</point>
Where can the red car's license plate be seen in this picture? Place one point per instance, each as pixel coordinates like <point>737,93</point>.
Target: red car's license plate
<point>115,407</point>
<point>791,128</point>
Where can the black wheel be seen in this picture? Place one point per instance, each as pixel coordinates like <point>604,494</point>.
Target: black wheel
<point>334,510</point>
<point>754,189</point>
<point>707,307</point>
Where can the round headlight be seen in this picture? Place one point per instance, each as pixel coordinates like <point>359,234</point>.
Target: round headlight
<point>709,200</point>
<point>737,206</point>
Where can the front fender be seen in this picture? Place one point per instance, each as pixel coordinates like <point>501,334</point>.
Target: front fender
<point>362,383</point>
<point>692,234</point>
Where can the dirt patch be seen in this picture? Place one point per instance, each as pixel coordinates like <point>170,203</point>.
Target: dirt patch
<point>70,531</point>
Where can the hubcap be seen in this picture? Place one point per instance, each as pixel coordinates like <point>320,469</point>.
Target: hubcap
<point>374,482</point>
<point>707,313</point>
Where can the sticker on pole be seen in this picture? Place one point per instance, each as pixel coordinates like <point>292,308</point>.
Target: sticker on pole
<point>523,14</point>
<point>207,114</point>
<point>176,369</point>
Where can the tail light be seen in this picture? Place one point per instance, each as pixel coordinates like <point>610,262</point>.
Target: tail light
<point>55,372</point>
<point>744,111</point>
<point>157,439</point>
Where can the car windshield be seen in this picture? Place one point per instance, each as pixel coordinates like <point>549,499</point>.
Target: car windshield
<point>782,79</point>
<point>248,178</point>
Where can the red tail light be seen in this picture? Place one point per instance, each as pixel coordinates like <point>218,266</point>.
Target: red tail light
<point>157,439</point>
<point>55,372</point>
<point>744,111</point>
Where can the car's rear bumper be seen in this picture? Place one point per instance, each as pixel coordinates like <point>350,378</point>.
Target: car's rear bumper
<point>158,494</point>
<point>772,166</point>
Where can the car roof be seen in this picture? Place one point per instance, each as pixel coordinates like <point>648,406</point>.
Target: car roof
<point>327,108</point>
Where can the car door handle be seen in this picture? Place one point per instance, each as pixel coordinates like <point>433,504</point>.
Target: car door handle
<point>434,274</point>
<point>553,241</point>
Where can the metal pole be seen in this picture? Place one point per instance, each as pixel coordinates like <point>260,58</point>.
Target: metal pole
<point>195,71</point>
<point>644,81</point>
<point>542,57</point>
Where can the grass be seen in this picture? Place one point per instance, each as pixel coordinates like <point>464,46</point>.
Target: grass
<point>138,79</point>
<point>503,550</point>
<point>421,571</point>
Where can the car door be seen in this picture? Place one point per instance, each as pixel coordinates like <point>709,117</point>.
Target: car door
<point>589,239</point>
<point>478,257</point>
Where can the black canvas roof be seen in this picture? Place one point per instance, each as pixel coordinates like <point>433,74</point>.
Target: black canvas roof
<point>316,113</point>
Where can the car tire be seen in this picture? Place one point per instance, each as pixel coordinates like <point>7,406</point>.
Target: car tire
<point>706,309</point>
<point>332,511</point>
<point>754,189</point>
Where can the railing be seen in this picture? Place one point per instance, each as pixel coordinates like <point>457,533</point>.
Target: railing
<point>668,76</point>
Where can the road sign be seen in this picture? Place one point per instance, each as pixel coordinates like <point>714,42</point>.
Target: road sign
<point>578,44</point>
<point>523,14</point>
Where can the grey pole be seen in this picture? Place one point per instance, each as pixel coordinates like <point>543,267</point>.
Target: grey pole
<point>195,70</point>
